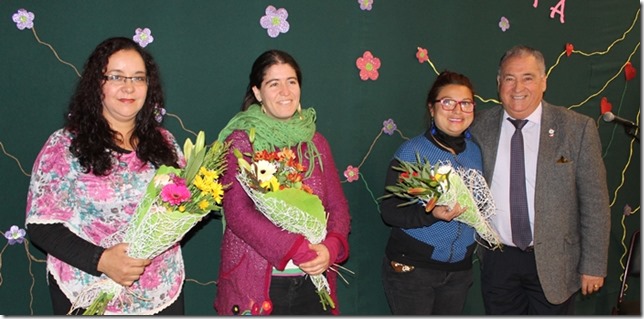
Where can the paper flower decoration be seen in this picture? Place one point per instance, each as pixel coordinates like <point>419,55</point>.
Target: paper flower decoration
<point>15,235</point>
<point>421,55</point>
<point>569,48</point>
<point>629,71</point>
<point>143,37</point>
<point>365,4</point>
<point>504,24</point>
<point>627,210</point>
<point>275,21</point>
<point>389,126</point>
<point>368,65</point>
<point>23,19</point>
<point>159,112</point>
<point>605,106</point>
<point>352,173</point>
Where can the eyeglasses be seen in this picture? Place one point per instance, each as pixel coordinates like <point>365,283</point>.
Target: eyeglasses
<point>449,104</point>
<point>120,80</point>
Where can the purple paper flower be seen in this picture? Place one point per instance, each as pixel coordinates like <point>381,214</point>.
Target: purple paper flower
<point>24,19</point>
<point>143,37</point>
<point>365,4</point>
<point>504,24</point>
<point>389,126</point>
<point>159,112</point>
<point>15,235</point>
<point>275,21</point>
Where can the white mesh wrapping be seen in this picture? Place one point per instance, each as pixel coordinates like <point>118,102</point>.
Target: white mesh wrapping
<point>291,219</point>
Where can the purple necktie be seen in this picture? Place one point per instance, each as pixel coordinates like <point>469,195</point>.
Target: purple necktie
<point>520,221</point>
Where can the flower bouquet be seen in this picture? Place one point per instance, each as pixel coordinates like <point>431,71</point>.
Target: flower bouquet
<point>274,182</point>
<point>175,201</point>
<point>440,184</point>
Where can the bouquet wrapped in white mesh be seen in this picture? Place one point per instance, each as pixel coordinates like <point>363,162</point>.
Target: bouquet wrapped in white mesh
<point>174,202</point>
<point>442,184</point>
<point>273,182</point>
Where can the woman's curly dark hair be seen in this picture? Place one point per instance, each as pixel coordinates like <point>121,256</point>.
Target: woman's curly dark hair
<point>93,140</point>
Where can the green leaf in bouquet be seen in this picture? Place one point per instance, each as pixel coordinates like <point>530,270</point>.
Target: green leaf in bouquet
<point>304,201</point>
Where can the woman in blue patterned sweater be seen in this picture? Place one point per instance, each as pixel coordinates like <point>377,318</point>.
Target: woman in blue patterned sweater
<point>427,268</point>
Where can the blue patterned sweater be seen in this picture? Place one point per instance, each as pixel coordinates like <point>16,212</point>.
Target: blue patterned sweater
<point>417,238</point>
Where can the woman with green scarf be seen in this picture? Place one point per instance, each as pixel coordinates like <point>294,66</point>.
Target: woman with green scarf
<point>264,269</point>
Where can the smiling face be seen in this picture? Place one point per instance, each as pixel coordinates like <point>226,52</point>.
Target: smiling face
<point>123,101</point>
<point>453,122</point>
<point>522,83</point>
<point>279,92</point>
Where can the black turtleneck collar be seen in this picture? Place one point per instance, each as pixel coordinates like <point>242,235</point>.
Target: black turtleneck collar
<point>456,143</point>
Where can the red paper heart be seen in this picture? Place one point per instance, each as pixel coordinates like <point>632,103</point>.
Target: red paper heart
<point>605,106</point>
<point>629,71</point>
<point>569,48</point>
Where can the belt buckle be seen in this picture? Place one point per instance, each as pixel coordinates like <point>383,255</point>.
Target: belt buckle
<point>398,267</point>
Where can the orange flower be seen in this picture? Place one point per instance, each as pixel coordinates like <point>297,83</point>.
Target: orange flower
<point>294,177</point>
<point>307,189</point>
<point>430,204</point>
<point>416,191</point>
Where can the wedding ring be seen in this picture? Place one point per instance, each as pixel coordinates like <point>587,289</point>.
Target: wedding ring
<point>595,286</point>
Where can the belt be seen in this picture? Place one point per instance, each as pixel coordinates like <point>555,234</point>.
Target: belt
<point>398,267</point>
<point>528,249</point>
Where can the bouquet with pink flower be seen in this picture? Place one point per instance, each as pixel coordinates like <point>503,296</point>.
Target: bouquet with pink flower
<point>174,202</point>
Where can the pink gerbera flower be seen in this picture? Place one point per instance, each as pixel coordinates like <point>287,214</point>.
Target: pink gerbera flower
<point>175,194</point>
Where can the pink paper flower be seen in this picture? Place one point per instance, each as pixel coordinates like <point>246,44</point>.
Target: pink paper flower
<point>421,55</point>
<point>368,65</point>
<point>352,173</point>
<point>504,24</point>
<point>15,235</point>
<point>175,194</point>
<point>389,126</point>
<point>275,21</point>
<point>365,4</point>
<point>143,37</point>
<point>23,19</point>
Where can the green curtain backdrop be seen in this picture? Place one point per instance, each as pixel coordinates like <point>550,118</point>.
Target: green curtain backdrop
<point>205,50</point>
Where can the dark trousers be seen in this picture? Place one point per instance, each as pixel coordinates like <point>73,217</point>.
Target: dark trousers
<point>424,291</point>
<point>510,285</point>
<point>295,295</point>
<point>62,305</point>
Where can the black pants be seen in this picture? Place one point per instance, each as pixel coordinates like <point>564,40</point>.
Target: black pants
<point>62,305</point>
<point>295,295</point>
<point>425,291</point>
<point>510,285</point>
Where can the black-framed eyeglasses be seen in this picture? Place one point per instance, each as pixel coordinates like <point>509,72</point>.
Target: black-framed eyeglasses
<point>449,104</point>
<point>115,79</point>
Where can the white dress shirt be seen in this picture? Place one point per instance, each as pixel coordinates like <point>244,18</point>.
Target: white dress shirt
<point>500,187</point>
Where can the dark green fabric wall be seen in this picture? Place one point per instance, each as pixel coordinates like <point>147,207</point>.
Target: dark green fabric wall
<point>205,50</point>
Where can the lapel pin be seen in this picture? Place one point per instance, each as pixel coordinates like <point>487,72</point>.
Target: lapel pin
<point>551,132</point>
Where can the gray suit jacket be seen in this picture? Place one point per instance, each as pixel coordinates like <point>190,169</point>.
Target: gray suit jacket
<point>572,213</point>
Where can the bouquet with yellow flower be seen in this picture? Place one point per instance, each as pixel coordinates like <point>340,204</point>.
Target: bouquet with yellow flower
<point>441,184</point>
<point>273,180</point>
<point>174,202</point>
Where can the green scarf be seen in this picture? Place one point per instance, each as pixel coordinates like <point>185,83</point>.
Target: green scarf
<point>271,133</point>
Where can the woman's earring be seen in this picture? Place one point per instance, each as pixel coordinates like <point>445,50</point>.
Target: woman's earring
<point>299,110</point>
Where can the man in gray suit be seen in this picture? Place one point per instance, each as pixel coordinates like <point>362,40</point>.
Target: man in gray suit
<point>567,213</point>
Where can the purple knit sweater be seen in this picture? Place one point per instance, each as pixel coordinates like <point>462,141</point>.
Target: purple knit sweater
<point>252,244</point>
